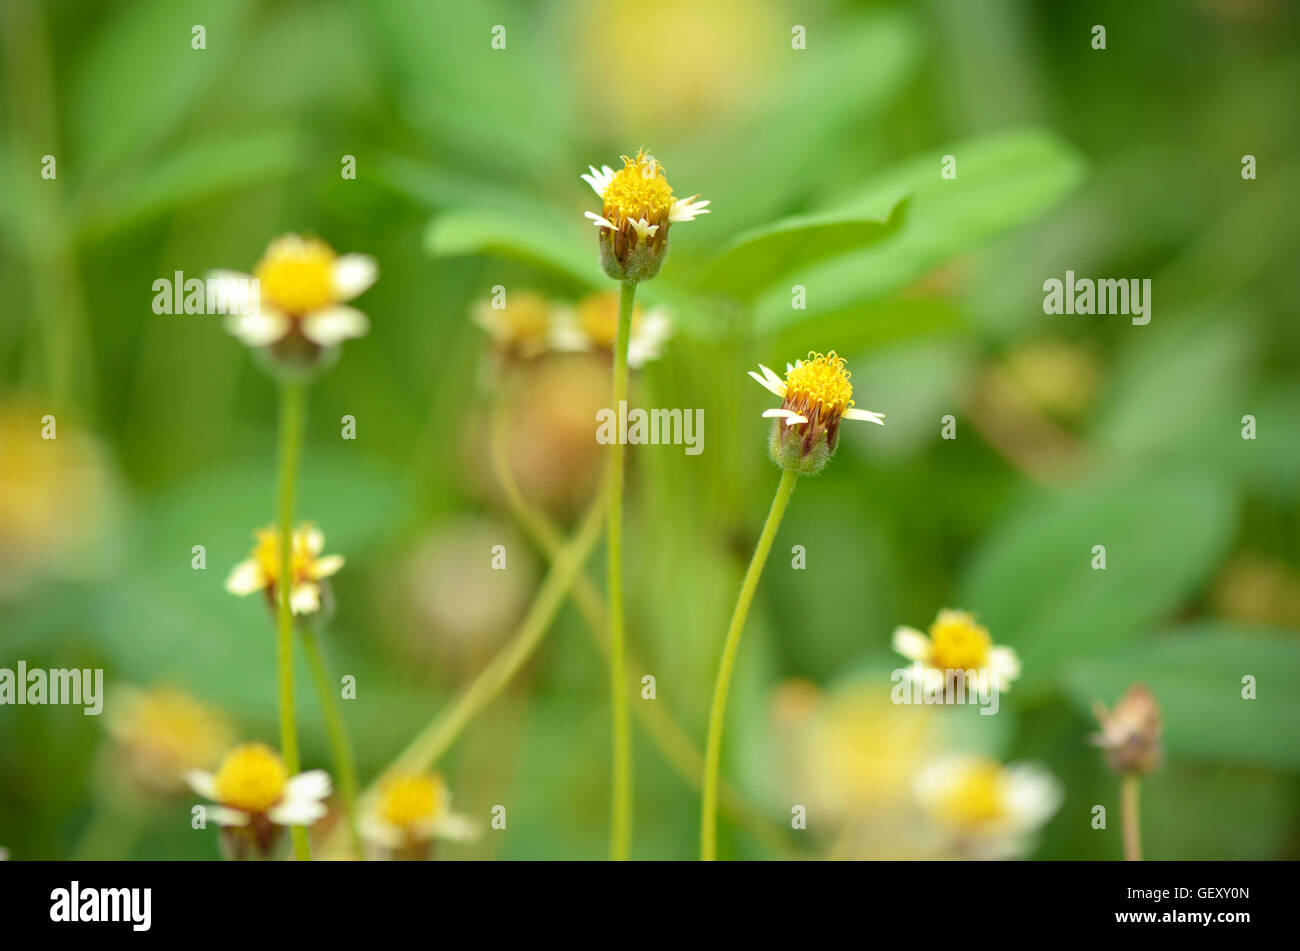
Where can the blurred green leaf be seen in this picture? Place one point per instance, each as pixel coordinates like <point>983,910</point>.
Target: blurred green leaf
<point>1032,583</point>
<point>1002,182</point>
<point>1196,672</point>
<point>534,238</point>
<point>762,256</point>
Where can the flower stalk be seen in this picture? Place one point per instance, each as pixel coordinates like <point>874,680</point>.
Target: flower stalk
<point>620,835</point>
<point>1130,787</point>
<point>345,766</point>
<point>730,648</point>
<point>292,413</point>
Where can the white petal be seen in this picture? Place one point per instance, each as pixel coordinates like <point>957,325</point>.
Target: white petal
<point>260,328</point>
<point>767,381</point>
<point>354,273</point>
<point>687,209</point>
<point>305,598</point>
<point>1004,663</point>
<point>643,228</point>
<point>599,180</point>
<point>1033,795</point>
<point>381,833</point>
<point>600,222</point>
<point>328,565</point>
<point>865,415</point>
<point>246,577</point>
<point>911,643</point>
<point>203,783</point>
<point>313,784</point>
<point>456,828</point>
<point>648,336</point>
<point>314,539</point>
<point>566,333</point>
<point>230,292</point>
<point>334,325</point>
<point>225,816</point>
<point>292,812</point>
<point>790,416</point>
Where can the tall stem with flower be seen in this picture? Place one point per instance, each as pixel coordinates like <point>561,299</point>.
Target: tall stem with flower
<point>637,208</point>
<point>815,396</point>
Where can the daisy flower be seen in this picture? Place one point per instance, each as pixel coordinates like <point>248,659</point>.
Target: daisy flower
<point>162,733</point>
<point>815,395</point>
<point>957,642</point>
<point>637,209</point>
<point>408,812</point>
<point>982,809</point>
<point>522,328</point>
<point>253,794</point>
<point>593,325</point>
<point>261,571</point>
<point>300,306</point>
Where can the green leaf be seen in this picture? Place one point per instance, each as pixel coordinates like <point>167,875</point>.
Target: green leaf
<point>534,238</point>
<point>1196,672</point>
<point>1034,586</point>
<point>1002,182</point>
<point>761,256</point>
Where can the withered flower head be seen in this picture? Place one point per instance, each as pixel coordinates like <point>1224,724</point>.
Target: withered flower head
<point>1130,734</point>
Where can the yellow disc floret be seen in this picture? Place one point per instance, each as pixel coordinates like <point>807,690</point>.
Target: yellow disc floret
<point>252,778</point>
<point>406,801</point>
<point>958,643</point>
<point>297,275</point>
<point>267,554</point>
<point>976,797</point>
<point>819,385</point>
<point>638,190</point>
<point>598,318</point>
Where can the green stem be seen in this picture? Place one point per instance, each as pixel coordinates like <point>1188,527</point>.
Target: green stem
<point>667,735</point>
<point>620,831</point>
<point>713,750</point>
<point>1129,789</point>
<point>443,730</point>
<point>292,398</point>
<point>340,745</point>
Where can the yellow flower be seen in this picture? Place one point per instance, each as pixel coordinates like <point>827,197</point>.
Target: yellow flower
<point>252,785</point>
<point>983,809</point>
<point>815,395</point>
<point>307,569</point>
<point>522,328</point>
<point>410,810</point>
<point>957,642</point>
<point>303,288</point>
<point>637,209</point>
<point>592,325</point>
<point>163,733</point>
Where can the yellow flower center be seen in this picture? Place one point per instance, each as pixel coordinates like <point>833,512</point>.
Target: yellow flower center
<point>598,318</point>
<point>958,643</point>
<point>976,797</point>
<point>819,384</point>
<point>297,275</point>
<point>407,800</point>
<point>252,777</point>
<point>267,554</point>
<point>527,317</point>
<point>638,190</point>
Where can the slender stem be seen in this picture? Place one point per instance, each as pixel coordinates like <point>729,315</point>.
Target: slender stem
<point>340,744</point>
<point>1129,788</point>
<point>667,735</point>
<point>292,398</point>
<point>443,730</point>
<point>620,828</point>
<point>713,750</point>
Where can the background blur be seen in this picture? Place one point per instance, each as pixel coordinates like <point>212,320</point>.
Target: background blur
<point>1071,431</point>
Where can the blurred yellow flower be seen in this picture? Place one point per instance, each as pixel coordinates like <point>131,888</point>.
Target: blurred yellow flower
<point>592,325</point>
<point>162,733</point>
<point>521,327</point>
<point>303,287</point>
<point>308,569</point>
<point>981,809</point>
<point>957,643</point>
<point>408,812</point>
